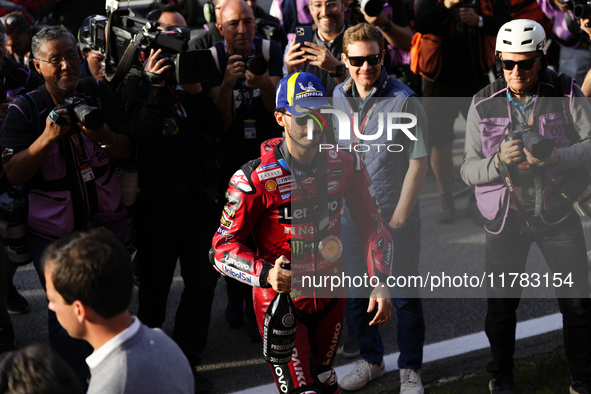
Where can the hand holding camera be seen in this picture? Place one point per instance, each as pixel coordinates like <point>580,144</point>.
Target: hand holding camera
<point>538,163</point>
<point>104,136</point>
<point>511,152</point>
<point>235,70</point>
<point>256,81</point>
<point>378,20</point>
<point>538,149</point>
<point>155,69</point>
<point>58,124</point>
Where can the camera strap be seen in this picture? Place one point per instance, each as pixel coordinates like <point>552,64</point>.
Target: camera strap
<point>558,82</point>
<point>126,61</point>
<point>504,170</point>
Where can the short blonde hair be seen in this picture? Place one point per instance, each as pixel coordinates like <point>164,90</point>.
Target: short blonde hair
<point>362,32</point>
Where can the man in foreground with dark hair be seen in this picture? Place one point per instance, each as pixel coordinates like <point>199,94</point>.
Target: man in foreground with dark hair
<point>89,284</point>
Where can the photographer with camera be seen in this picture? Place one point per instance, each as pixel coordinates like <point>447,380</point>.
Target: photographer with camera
<point>246,72</point>
<point>466,29</point>
<point>575,58</point>
<point>60,149</point>
<point>173,127</point>
<point>527,143</point>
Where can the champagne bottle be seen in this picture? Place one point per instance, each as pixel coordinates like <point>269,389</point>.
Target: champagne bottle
<point>279,329</point>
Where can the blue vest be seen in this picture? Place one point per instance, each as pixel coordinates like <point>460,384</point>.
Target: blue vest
<point>386,169</point>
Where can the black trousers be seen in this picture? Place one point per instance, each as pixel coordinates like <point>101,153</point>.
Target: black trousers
<point>563,248</point>
<point>165,234</point>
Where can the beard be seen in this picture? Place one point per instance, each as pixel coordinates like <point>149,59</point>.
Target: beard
<point>338,20</point>
<point>303,141</point>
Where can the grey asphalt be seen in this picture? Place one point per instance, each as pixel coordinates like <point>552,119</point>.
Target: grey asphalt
<point>233,363</point>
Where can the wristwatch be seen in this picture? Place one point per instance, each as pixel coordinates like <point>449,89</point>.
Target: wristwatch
<point>109,146</point>
<point>341,70</point>
<point>480,22</point>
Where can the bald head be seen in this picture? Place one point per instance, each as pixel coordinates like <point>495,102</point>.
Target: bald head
<point>231,8</point>
<point>237,26</point>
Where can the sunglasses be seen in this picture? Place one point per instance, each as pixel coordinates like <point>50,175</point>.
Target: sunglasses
<point>303,120</point>
<point>523,64</point>
<point>372,60</point>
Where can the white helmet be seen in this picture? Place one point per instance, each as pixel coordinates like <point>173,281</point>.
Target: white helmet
<point>521,35</point>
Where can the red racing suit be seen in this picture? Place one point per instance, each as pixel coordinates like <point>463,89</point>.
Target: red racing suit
<point>264,200</point>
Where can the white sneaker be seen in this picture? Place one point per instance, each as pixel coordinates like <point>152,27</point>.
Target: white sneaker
<point>361,375</point>
<point>410,382</point>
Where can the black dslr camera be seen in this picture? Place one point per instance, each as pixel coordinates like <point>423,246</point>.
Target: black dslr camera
<point>372,7</point>
<point>256,63</point>
<point>539,146</point>
<point>79,111</point>
<point>122,36</point>
<point>580,8</point>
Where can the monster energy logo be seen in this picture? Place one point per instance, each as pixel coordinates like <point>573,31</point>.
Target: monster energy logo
<point>299,248</point>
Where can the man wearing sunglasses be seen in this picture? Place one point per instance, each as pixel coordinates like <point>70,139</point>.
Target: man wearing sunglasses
<point>290,199</point>
<point>397,180</point>
<point>521,193</point>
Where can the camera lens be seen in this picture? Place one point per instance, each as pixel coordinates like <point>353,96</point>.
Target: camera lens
<point>90,117</point>
<point>372,7</point>
<point>257,65</point>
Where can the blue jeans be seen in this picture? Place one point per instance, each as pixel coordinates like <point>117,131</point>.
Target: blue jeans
<point>409,311</point>
<point>73,351</point>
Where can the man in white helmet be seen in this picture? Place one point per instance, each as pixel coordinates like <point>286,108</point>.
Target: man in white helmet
<point>526,183</point>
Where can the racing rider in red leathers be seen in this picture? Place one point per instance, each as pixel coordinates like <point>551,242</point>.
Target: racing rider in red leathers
<point>264,199</point>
